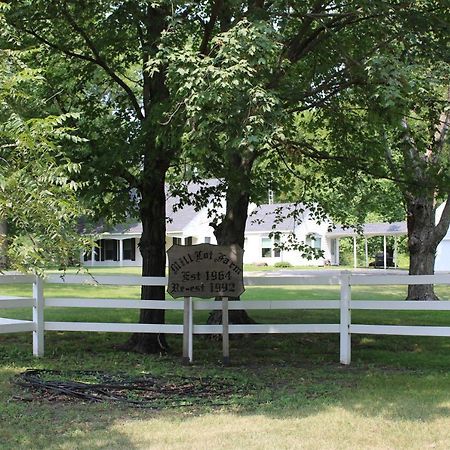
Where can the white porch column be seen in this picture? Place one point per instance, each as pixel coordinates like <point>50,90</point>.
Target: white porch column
<point>94,249</point>
<point>395,252</point>
<point>384,252</point>
<point>121,251</point>
<point>354,252</point>
<point>337,252</point>
<point>366,251</point>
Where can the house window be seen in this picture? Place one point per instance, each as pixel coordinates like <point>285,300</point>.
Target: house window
<point>266,247</point>
<point>269,247</point>
<point>110,250</point>
<point>129,249</point>
<point>207,240</point>
<point>276,249</point>
<point>188,240</point>
<point>314,240</point>
<point>177,241</point>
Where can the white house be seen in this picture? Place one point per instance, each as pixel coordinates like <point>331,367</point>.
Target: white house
<point>442,263</point>
<point>118,246</point>
<point>287,219</point>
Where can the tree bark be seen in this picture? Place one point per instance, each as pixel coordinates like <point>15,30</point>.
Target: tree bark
<point>153,250</point>
<point>152,207</point>
<point>422,244</point>
<point>232,231</point>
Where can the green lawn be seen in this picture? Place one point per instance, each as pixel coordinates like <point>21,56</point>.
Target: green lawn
<point>396,393</point>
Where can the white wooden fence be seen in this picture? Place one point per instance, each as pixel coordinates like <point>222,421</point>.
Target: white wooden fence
<point>345,328</point>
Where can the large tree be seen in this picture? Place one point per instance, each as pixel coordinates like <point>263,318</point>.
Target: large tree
<point>395,126</point>
<point>96,62</point>
<point>243,99</point>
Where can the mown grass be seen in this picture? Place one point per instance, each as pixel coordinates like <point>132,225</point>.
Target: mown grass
<point>396,393</point>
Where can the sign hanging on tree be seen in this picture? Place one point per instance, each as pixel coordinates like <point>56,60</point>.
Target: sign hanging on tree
<point>205,271</point>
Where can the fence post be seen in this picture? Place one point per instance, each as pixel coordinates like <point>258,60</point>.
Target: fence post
<point>344,328</point>
<point>188,325</point>
<point>225,332</point>
<point>38,317</point>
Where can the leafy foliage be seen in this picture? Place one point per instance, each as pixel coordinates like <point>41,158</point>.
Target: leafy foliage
<point>37,188</point>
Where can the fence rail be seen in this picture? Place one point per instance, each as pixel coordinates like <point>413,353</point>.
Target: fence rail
<point>345,328</point>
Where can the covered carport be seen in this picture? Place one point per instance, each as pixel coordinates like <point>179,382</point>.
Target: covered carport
<point>368,230</point>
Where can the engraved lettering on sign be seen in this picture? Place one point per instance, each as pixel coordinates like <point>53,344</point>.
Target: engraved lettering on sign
<point>205,271</point>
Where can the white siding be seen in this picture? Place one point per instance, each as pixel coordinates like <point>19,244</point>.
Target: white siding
<point>442,263</point>
<point>253,246</point>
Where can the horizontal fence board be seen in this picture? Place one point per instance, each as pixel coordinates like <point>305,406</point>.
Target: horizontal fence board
<point>293,280</point>
<point>115,280</point>
<point>381,280</point>
<point>207,329</point>
<point>284,328</point>
<point>400,305</point>
<point>16,302</point>
<point>16,326</point>
<point>113,303</point>
<point>17,279</point>
<point>210,305</point>
<point>8,321</point>
<point>400,330</point>
<point>287,304</point>
<point>268,328</point>
<point>136,280</point>
<point>114,327</point>
<point>202,305</point>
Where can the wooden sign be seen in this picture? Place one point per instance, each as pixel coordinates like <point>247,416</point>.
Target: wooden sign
<point>205,271</point>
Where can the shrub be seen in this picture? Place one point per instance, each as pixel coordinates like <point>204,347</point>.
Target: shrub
<point>282,264</point>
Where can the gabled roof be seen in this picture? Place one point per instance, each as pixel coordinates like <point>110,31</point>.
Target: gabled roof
<point>284,217</point>
<point>279,216</point>
<point>177,220</point>
<point>264,218</point>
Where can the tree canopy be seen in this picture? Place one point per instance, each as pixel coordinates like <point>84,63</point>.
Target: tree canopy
<point>393,126</point>
<point>38,191</point>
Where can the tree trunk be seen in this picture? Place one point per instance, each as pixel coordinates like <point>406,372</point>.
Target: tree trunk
<point>232,231</point>
<point>3,244</point>
<point>422,244</point>
<point>153,250</point>
<point>152,207</point>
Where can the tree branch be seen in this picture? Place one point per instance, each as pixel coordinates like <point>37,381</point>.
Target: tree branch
<point>362,165</point>
<point>97,59</point>
<point>58,47</point>
<point>209,27</point>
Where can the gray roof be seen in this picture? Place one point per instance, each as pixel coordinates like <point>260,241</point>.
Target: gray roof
<point>372,229</point>
<point>179,219</point>
<point>176,220</point>
<point>126,228</point>
<point>279,216</point>
<point>265,218</point>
